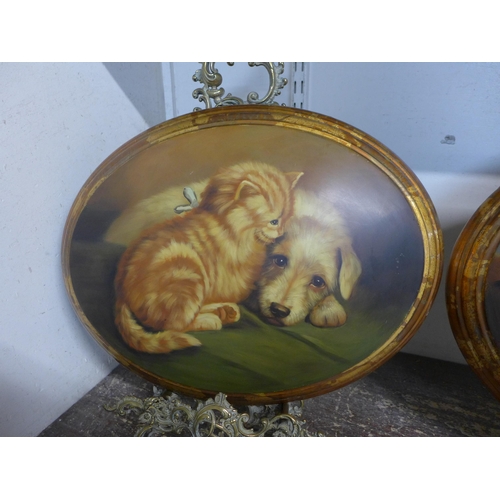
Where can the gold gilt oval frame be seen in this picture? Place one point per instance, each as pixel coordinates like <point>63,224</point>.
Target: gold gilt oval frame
<point>468,286</point>
<point>300,125</point>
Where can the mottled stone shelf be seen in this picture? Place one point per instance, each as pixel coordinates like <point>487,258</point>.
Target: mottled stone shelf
<point>408,396</point>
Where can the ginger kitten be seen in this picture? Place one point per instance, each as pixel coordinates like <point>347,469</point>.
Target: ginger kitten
<point>188,273</point>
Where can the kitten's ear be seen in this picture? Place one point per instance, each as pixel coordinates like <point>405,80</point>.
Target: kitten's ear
<point>248,186</point>
<point>293,178</point>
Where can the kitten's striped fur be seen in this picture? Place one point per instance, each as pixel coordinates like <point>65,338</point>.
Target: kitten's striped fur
<point>188,273</point>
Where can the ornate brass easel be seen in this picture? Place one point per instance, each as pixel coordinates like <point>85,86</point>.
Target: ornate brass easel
<point>167,413</point>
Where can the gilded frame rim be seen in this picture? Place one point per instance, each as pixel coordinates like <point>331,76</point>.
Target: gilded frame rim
<point>466,287</point>
<point>331,129</point>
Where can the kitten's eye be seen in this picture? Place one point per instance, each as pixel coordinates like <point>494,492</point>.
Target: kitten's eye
<point>318,282</point>
<point>280,260</point>
<point>274,222</point>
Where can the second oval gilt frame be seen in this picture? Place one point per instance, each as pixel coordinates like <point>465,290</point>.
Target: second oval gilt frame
<point>467,291</point>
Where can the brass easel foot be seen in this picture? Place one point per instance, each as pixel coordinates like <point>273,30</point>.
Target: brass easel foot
<point>169,415</point>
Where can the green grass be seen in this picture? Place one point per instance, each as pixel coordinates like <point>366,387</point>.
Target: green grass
<point>249,356</point>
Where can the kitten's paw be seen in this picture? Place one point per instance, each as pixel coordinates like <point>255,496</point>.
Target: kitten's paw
<point>206,321</point>
<point>328,313</point>
<point>228,312</point>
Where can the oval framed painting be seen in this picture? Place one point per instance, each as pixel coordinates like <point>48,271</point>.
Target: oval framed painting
<point>264,252</point>
<point>473,292</point>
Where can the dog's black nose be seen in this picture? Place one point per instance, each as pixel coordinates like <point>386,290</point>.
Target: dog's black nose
<point>279,311</point>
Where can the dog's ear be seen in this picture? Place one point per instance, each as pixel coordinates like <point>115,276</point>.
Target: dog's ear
<point>349,271</point>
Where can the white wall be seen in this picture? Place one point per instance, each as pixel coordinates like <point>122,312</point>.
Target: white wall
<point>142,84</point>
<point>412,108</point>
<point>57,123</point>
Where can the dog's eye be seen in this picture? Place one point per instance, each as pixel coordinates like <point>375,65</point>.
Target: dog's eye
<point>318,282</point>
<point>274,222</point>
<point>280,260</point>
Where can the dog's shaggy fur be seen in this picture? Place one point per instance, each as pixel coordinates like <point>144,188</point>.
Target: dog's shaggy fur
<point>305,269</point>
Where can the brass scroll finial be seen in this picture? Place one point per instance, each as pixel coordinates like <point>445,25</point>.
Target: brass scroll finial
<point>213,95</point>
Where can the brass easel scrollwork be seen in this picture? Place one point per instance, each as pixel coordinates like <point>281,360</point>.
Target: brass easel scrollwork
<point>170,415</point>
<point>213,95</point>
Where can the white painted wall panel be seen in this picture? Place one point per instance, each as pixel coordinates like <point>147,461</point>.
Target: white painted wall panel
<point>412,107</point>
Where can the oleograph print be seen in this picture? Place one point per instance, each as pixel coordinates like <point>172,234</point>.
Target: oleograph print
<point>267,253</point>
